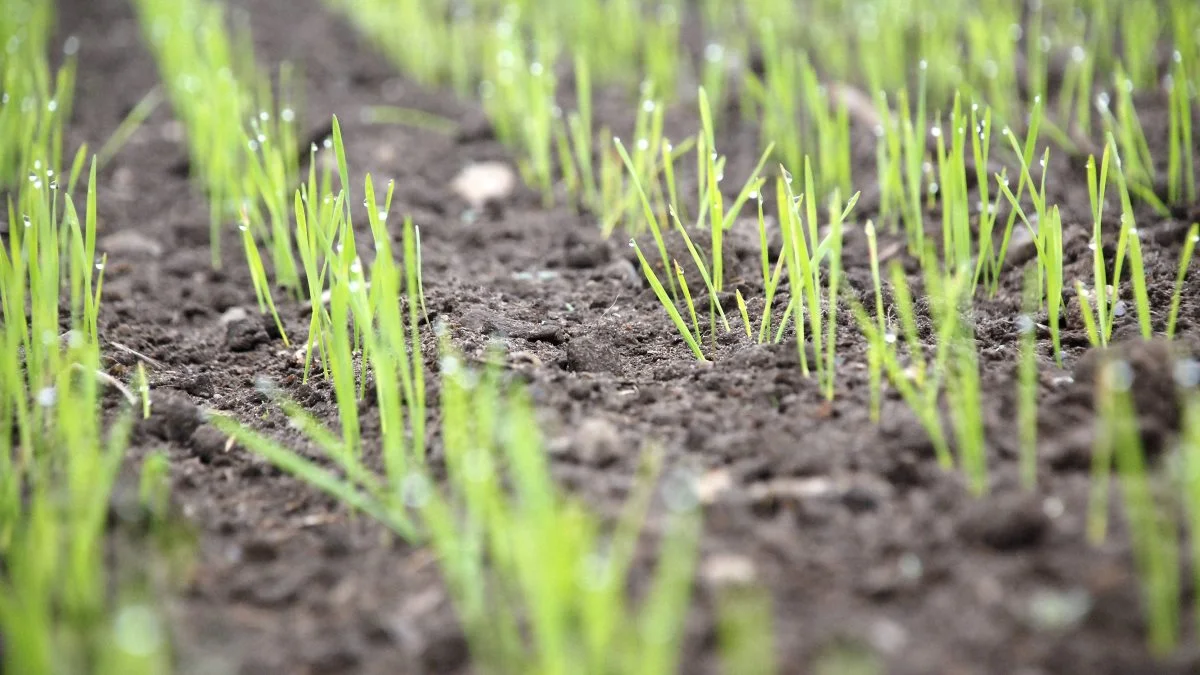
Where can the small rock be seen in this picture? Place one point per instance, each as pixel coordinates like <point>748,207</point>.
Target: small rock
<point>622,270</point>
<point>728,569</point>
<point>791,489</point>
<point>587,256</point>
<point>598,442</point>
<point>888,636</point>
<point>173,416</point>
<point>712,485</point>
<point>172,130</point>
<point>233,314</point>
<point>223,298</point>
<point>548,333</point>
<point>129,245</point>
<point>200,385</point>
<point>484,182</point>
<point>245,335</point>
<point>593,354</point>
<point>1057,610</point>
<point>208,443</point>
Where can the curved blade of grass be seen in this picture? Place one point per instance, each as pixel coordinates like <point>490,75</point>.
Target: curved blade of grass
<point>665,299</point>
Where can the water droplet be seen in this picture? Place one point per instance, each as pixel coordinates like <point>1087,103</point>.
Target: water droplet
<point>287,115</point>
<point>47,396</point>
<point>536,69</point>
<point>648,105</point>
<point>643,144</point>
<point>632,244</point>
<point>679,491</point>
<point>714,53</point>
<point>415,490</point>
<point>1025,324</point>
<point>889,338</point>
<point>25,219</point>
<point>1078,55</point>
<point>923,64</point>
<point>1120,375</point>
<point>787,176</point>
<point>1187,373</point>
<point>71,46</point>
<point>910,567</point>
<point>936,132</point>
<point>328,143</point>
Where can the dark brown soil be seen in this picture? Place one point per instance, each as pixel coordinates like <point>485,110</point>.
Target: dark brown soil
<point>864,544</point>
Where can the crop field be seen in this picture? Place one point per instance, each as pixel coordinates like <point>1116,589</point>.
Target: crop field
<point>622,337</point>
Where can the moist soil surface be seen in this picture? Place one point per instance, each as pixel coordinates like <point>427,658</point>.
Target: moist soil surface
<point>872,554</point>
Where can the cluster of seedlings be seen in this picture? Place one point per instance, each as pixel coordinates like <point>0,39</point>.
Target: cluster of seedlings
<point>59,454</point>
<point>966,104</point>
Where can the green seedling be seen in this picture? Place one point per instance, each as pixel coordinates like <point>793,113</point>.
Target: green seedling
<point>804,273</point>
<point>129,126</point>
<point>744,628</point>
<point>877,344</point>
<point>1155,542</point>
<point>241,141</point>
<point>1181,169</point>
<point>1185,261</point>
<point>1027,387</point>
